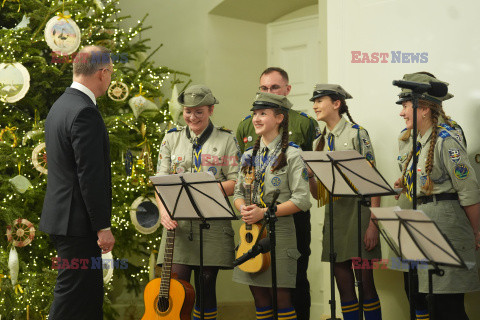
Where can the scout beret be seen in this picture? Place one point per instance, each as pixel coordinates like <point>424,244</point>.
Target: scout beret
<point>406,94</point>
<point>265,100</point>
<point>196,96</point>
<point>325,89</point>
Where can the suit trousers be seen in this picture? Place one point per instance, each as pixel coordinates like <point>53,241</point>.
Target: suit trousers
<point>301,293</point>
<point>78,293</point>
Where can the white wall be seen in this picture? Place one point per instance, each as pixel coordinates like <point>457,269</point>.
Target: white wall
<point>447,31</point>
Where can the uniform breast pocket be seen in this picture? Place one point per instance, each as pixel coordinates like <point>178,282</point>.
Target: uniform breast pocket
<point>279,178</point>
<point>177,164</point>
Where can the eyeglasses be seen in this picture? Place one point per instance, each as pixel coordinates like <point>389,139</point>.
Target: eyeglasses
<point>273,88</point>
<point>197,114</point>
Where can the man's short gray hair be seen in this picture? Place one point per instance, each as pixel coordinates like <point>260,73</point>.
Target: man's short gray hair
<point>90,59</point>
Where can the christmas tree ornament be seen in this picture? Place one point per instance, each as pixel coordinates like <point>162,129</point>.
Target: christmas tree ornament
<point>32,135</point>
<point>62,34</point>
<point>13,265</point>
<point>118,91</point>
<point>140,104</point>
<point>107,266</point>
<point>128,163</point>
<point>39,158</point>
<point>152,262</point>
<point>8,136</point>
<point>20,183</point>
<point>14,82</point>
<point>21,232</point>
<point>145,215</point>
<point>174,107</point>
<point>3,3</point>
<point>22,24</point>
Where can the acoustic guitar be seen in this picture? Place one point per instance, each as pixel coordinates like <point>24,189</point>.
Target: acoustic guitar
<point>168,298</point>
<point>249,233</point>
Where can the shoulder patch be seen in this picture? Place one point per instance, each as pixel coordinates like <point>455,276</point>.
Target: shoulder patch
<point>224,129</point>
<point>318,133</point>
<point>247,117</point>
<point>174,130</point>
<point>445,126</point>
<point>292,144</point>
<point>356,126</point>
<point>444,134</point>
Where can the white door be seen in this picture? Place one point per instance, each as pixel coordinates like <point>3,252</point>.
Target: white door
<point>294,46</point>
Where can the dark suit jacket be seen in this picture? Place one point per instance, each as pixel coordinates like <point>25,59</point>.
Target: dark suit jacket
<point>78,201</point>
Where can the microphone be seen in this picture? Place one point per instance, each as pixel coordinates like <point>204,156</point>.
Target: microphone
<point>434,88</point>
<point>262,246</point>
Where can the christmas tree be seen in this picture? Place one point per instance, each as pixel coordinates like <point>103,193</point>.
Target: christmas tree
<point>136,114</point>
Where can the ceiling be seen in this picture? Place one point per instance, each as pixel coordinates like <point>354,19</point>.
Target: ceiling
<point>261,11</point>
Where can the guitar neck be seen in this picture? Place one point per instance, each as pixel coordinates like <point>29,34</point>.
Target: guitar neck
<point>248,194</point>
<point>167,264</point>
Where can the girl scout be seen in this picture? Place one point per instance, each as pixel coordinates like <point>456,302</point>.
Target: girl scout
<point>339,134</point>
<point>448,193</point>
<point>277,165</point>
<point>200,147</point>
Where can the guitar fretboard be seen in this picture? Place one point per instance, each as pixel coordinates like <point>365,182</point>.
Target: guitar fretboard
<point>167,264</point>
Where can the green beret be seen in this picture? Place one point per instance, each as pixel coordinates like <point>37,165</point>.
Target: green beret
<point>406,94</point>
<point>325,89</point>
<point>265,100</point>
<point>196,96</point>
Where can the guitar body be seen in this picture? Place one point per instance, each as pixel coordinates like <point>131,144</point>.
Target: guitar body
<point>249,235</point>
<point>179,305</point>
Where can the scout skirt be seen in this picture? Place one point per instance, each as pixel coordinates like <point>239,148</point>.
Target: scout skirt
<point>345,231</point>
<point>453,222</point>
<point>287,256</point>
<point>218,244</point>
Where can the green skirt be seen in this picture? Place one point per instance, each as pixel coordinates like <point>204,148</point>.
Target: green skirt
<point>286,258</point>
<point>218,244</point>
<point>345,231</point>
<point>452,222</point>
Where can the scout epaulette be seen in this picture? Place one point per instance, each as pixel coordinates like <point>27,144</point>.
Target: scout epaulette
<point>224,129</point>
<point>306,115</point>
<point>248,148</point>
<point>292,144</point>
<point>443,132</point>
<point>446,126</point>
<point>247,117</point>
<point>175,129</point>
<point>356,126</point>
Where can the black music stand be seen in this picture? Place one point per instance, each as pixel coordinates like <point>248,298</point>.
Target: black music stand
<point>413,236</point>
<point>194,196</point>
<point>346,174</point>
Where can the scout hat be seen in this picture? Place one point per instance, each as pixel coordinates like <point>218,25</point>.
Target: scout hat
<point>406,94</point>
<point>325,89</point>
<point>196,96</point>
<point>265,100</point>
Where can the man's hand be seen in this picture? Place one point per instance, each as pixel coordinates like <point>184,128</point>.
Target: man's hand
<point>105,240</point>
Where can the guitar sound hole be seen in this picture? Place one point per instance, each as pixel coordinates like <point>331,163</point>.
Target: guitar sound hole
<point>163,304</point>
<point>249,237</point>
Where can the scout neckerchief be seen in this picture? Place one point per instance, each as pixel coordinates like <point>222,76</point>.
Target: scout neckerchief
<point>331,142</point>
<point>261,164</point>
<point>408,175</point>
<point>197,145</point>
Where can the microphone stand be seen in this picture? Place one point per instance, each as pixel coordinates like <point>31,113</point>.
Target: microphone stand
<point>271,218</point>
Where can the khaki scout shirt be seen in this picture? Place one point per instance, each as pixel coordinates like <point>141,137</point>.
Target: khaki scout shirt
<point>301,127</point>
<point>405,147</point>
<point>452,172</point>
<point>220,154</point>
<point>292,180</point>
<point>348,136</point>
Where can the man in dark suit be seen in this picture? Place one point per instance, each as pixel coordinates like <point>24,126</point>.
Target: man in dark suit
<point>78,202</point>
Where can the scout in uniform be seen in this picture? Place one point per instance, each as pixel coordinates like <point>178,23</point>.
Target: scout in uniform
<point>448,193</point>
<point>339,134</point>
<point>200,147</point>
<point>277,165</point>
<point>302,129</point>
